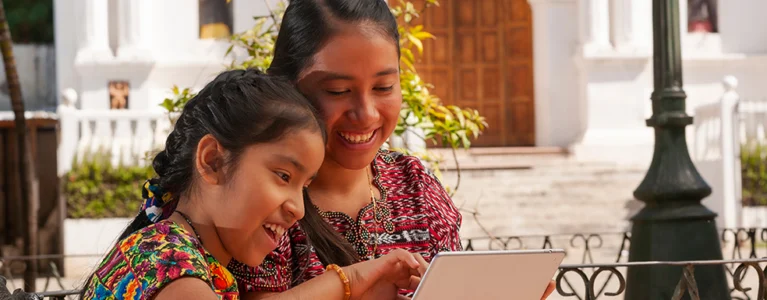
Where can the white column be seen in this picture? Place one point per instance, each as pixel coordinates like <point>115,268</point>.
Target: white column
<point>631,25</point>
<point>683,19</point>
<point>93,33</point>
<point>622,34</point>
<point>69,130</point>
<point>594,25</point>
<point>135,25</point>
<point>555,37</point>
<point>729,217</point>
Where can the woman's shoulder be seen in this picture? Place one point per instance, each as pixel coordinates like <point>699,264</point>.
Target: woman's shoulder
<point>394,166</point>
<point>412,187</point>
<point>408,176</point>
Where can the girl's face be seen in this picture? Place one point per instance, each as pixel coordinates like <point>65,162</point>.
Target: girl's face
<point>354,81</point>
<point>263,197</point>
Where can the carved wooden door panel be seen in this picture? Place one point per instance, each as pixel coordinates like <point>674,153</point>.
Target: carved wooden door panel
<point>482,58</point>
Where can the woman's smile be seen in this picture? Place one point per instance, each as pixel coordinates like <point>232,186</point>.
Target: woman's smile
<point>358,141</point>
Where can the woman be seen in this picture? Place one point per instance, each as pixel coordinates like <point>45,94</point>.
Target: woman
<point>241,127</point>
<point>344,56</point>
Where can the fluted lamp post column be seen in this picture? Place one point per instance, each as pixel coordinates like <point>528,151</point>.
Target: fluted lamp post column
<point>673,225</point>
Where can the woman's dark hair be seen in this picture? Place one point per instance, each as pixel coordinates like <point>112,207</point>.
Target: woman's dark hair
<point>238,108</point>
<point>306,26</point>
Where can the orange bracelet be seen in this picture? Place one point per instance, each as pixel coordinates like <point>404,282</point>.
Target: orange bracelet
<point>344,279</point>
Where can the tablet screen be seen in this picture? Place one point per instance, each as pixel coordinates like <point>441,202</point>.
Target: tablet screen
<point>519,275</point>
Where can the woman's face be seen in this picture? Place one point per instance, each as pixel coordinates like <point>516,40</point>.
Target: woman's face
<point>263,197</point>
<point>354,81</point>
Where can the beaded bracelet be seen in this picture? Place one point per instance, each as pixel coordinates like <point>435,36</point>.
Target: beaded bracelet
<point>344,279</point>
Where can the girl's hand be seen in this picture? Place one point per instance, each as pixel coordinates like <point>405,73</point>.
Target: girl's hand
<point>387,290</point>
<point>381,278</point>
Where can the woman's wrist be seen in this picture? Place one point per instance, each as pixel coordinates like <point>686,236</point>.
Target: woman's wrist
<point>343,277</point>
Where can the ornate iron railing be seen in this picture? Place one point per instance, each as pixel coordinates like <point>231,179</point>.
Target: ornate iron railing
<point>686,285</point>
<point>737,244</point>
<point>579,278</point>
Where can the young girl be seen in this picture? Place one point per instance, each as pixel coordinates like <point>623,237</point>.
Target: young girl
<point>234,168</point>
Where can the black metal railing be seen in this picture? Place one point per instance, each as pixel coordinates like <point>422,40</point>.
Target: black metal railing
<point>606,279</point>
<point>52,276</point>
<point>685,286</point>
<point>579,277</point>
<point>589,274</point>
<point>737,243</point>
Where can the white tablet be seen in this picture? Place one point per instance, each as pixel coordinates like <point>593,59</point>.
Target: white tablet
<point>490,275</point>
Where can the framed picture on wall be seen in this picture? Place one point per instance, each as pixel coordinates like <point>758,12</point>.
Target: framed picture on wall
<point>215,19</point>
<point>119,94</point>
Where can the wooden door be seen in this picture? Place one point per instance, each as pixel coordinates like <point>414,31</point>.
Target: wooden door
<point>482,58</point>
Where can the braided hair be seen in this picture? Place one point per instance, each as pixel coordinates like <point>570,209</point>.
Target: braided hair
<point>238,108</point>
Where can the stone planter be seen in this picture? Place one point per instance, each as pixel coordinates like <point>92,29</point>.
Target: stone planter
<point>754,217</point>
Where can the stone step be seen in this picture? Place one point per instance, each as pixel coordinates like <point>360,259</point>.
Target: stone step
<point>553,195</point>
<point>513,159</point>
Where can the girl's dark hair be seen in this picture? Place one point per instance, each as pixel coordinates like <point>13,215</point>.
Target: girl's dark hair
<point>239,108</point>
<point>306,26</point>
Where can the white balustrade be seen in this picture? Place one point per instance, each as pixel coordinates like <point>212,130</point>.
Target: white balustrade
<point>716,152</point>
<point>127,137</point>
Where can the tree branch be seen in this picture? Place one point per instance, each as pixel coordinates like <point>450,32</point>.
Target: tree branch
<point>457,171</point>
<point>475,215</point>
<point>271,13</point>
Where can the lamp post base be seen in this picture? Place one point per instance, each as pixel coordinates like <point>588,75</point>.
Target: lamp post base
<point>669,239</point>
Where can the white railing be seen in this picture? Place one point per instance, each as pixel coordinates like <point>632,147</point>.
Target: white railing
<point>720,130</point>
<point>127,137</point>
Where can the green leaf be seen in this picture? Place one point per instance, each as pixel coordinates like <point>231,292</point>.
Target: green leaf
<point>422,35</point>
<point>416,42</point>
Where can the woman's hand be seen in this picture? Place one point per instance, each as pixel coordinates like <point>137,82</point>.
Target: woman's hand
<point>549,289</point>
<point>381,278</point>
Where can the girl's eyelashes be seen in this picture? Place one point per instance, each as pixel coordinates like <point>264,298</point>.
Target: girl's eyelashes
<point>285,177</point>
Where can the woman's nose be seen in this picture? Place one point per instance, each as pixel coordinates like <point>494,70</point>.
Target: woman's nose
<point>364,111</point>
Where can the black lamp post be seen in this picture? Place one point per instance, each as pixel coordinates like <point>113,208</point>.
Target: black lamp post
<point>673,225</point>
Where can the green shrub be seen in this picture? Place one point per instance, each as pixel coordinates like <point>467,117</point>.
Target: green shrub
<point>96,189</point>
<point>753,164</point>
<point>30,21</point>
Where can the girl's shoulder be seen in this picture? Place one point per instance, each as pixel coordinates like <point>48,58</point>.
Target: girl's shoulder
<point>150,258</point>
<point>158,238</point>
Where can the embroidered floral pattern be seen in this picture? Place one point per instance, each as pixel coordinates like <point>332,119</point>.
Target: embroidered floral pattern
<point>141,264</point>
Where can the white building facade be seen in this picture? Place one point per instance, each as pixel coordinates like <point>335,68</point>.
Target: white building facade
<point>592,61</point>
<point>151,45</point>
<point>594,77</point>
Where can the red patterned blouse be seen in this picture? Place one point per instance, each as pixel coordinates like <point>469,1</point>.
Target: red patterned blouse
<point>416,214</point>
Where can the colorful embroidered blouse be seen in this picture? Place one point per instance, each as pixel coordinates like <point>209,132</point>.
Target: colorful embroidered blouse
<point>415,213</point>
<point>149,259</point>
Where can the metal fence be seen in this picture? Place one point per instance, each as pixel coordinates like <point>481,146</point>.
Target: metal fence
<point>744,252</point>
